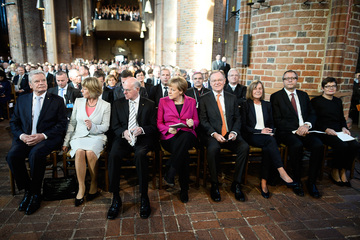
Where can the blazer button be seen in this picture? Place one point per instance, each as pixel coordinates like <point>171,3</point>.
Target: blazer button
<point>179,119</point>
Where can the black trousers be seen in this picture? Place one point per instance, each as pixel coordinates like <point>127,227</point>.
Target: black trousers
<point>296,144</point>
<point>120,149</point>
<point>178,146</point>
<point>344,152</point>
<point>37,159</point>
<point>238,146</point>
<point>271,156</point>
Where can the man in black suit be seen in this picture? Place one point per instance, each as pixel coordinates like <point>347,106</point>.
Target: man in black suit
<point>162,89</point>
<point>38,125</point>
<point>217,63</point>
<point>21,81</point>
<point>293,117</point>
<point>234,87</point>
<point>107,94</point>
<point>198,90</point>
<point>75,78</point>
<point>138,136</point>
<point>221,123</point>
<point>51,82</point>
<point>225,67</point>
<point>205,74</point>
<point>119,91</point>
<point>64,90</point>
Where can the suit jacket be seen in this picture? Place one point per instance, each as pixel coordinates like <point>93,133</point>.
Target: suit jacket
<point>210,118</point>
<point>24,85</point>
<point>248,116</point>
<point>100,119</point>
<point>70,97</point>
<point>148,87</point>
<point>108,95</point>
<point>146,118</point>
<point>118,92</point>
<point>285,118</point>
<point>72,85</point>
<point>225,68</point>
<point>192,91</point>
<point>156,93</point>
<point>52,119</point>
<point>168,115</point>
<point>215,65</point>
<point>240,93</point>
<point>51,81</point>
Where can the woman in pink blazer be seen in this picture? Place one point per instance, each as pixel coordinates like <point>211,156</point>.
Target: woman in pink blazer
<point>178,109</point>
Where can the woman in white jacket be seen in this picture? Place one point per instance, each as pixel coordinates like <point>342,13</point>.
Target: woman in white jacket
<point>85,135</point>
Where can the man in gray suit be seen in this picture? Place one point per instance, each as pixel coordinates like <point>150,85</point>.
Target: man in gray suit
<point>217,63</point>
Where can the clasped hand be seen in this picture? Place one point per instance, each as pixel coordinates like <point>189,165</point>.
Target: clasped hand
<point>222,139</point>
<point>88,124</point>
<point>302,130</point>
<point>32,140</point>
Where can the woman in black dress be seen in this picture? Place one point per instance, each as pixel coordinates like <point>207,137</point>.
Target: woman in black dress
<point>330,119</point>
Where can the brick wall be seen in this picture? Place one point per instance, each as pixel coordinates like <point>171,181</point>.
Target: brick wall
<point>316,40</point>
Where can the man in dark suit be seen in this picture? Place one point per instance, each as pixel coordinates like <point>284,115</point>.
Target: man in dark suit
<point>75,78</point>
<point>221,123</point>
<point>21,81</point>
<point>64,90</point>
<point>51,82</point>
<point>225,67</point>
<point>107,94</point>
<point>234,87</point>
<point>134,131</point>
<point>119,91</point>
<point>217,63</point>
<point>205,74</point>
<point>293,117</point>
<point>198,90</point>
<point>162,89</point>
<point>38,125</point>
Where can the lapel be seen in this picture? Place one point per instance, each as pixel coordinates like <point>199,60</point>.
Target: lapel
<point>227,107</point>
<point>141,107</point>
<point>171,105</point>
<point>287,101</point>
<point>264,111</point>
<point>126,112</point>
<point>185,106</point>
<point>28,110</point>
<point>214,104</point>
<point>301,102</point>
<point>45,106</point>
<point>252,111</point>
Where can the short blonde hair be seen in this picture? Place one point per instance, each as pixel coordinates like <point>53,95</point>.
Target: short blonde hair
<point>180,83</point>
<point>251,88</point>
<point>94,87</point>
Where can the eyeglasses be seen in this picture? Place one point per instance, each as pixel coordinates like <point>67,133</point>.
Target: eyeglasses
<point>216,81</point>
<point>329,86</point>
<point>290,78</point>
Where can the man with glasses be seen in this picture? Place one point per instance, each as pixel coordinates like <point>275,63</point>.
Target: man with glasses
<point>205,74</point>
<point>293,118</point>
<point>198,90</point>
<point>220,122</point>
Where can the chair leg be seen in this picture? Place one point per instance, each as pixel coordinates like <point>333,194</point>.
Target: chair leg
<point>12,183</point>
<point>65,164</point>
<point>53,156</point>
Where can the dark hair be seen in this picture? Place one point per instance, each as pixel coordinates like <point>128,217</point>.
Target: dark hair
<point>99,74</point>
<point>126,73</point>
<point>290,71</point>
<point>139,71</point>
<point>60,73</point>
<point>328,80</point>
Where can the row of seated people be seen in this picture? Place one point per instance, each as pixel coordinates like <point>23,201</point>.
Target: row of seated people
<point>217,122</point>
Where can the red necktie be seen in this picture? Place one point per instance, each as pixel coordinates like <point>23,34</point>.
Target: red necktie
<point>293,102</point>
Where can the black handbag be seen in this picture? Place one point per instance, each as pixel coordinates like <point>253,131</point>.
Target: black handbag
<point>59,188</point>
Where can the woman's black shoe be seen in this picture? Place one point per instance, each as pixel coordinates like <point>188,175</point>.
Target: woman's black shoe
<point>291,184</point>
<point>346,184</point>
<point>91,197</point>
<point>339,183</point>
<point>78,202</point>
<point>264,194</point>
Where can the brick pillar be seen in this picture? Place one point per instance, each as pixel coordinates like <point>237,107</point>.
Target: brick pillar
<point>63,31</point>
<point>50,31</point>
<point>219,29</point>
<point>26,34</point>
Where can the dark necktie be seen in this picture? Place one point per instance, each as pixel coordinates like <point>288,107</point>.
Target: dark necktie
<point>166,92</point>
<point>293,102</point>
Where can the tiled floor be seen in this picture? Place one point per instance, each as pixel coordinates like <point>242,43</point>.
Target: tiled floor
<point>284,216</point>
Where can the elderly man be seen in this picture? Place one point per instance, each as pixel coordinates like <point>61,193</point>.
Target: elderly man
<point>119,91</point>
<point>134,132</point>
<point>38,125</point>
<point>234,87</point>
<point>198,90</point>
<point>293,117</point>
<point>21,81</point>
<point>75,78</point>
<point>225,67</point>
<point>205,74</point>
<point>221,124</point>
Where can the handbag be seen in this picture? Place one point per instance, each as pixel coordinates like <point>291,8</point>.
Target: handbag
<point>59,188</point>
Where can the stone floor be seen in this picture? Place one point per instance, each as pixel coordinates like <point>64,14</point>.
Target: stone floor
<point>284,216</point>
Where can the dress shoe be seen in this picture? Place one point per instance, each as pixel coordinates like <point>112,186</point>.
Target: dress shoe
<point>169,182</point>
<point>114,208</point>
<point>25,202</point>
<point>298,189</point>
<point>291,184</point>
<point>215,193</point>
<point>34,204</point>
<point>313,191</point>
<point>346,184</point>
<point>236,188</point>
<point>264,194</point>
<point>339,183</point>
<point>78,202</point>
<point>145,208</point>
<point>184,196</point>
<point>91,197</point>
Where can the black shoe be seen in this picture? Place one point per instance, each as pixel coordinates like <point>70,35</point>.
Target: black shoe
<point>169,182</point>
<point>264,194</point>
<point>339,183</point>
<point>145,208</point>
<point>236,188</point>
<point>78,202</point>
<point>346,184</point>
<point>34,204</point>
<point>114,208</point>
<point>291,184</point>
<point>91,197</point>
<point>215,193</point>
<point>298,189</point>
<point>313,191</point>
<point>184,196</point>
<point>25,202</point>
